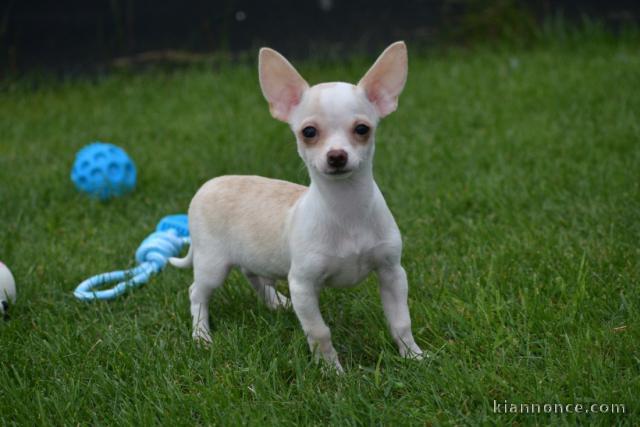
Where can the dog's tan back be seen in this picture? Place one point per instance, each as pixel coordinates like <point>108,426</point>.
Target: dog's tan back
<point>251,212</point>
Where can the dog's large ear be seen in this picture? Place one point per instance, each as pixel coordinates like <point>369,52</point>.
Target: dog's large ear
<point>280,82</point>
<point>386,78</point>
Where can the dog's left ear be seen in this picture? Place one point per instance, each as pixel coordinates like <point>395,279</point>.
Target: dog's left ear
<point>386,78</point>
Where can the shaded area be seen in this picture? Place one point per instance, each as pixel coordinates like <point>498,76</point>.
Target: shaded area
<point>81,35</point>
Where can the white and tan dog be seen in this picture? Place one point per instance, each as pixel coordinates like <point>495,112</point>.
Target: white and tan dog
<point>334,232</point>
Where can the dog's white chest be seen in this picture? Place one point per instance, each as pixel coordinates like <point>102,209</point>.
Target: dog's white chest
<point>352,259</point>
<point>342,248</point>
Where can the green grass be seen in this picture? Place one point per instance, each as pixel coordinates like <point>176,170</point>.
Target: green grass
<point>513,175</point>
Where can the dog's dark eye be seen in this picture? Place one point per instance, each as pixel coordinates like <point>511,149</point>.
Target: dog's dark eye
<point>362,129</point>
<point>309,132</point>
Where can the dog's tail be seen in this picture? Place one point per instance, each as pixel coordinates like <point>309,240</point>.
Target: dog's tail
<point>185,262</point>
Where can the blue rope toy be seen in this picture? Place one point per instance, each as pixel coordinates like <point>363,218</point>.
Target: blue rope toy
<point>153,254</point>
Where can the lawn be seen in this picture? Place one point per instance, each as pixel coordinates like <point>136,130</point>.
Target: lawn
<point>512,173</point>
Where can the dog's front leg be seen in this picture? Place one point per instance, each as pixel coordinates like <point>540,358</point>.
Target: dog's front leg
<point>304,298</point>
<point>393,291</point>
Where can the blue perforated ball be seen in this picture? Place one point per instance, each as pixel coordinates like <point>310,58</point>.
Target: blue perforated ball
<point>103,171</point>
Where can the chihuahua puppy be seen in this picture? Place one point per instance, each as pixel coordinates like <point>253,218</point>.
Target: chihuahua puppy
<point>334,232</point>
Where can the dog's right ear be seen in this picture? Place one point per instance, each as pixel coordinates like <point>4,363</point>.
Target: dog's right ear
<point>281,84</point>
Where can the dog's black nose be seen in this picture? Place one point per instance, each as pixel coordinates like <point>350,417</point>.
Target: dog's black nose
<point>337,158</point>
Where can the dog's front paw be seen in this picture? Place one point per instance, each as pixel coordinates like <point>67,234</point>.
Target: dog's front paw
<point>202,337</point>
<point>330,366</point>
<point>329,361</point>
<point>415,356</point>
<point>414,353</point>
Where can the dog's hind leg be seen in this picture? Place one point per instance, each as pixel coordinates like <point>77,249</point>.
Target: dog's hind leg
<point>265,288</point>
<point>209,273</point>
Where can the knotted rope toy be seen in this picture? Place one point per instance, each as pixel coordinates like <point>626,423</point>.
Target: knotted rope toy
<point>172,232</point>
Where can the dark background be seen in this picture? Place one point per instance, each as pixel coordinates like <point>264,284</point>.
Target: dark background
<point>84,34</point>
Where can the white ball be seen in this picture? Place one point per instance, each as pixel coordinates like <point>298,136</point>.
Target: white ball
<point>7,288</point>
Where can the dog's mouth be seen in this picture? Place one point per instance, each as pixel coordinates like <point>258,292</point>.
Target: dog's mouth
<point>333,172</point>
<point>338,172</point>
